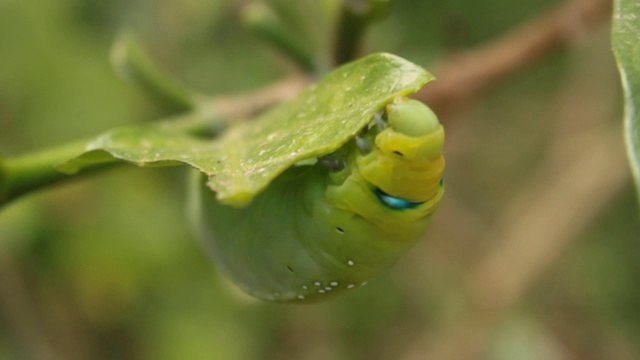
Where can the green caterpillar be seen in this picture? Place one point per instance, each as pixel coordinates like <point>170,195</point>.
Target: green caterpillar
<point>325,228</point>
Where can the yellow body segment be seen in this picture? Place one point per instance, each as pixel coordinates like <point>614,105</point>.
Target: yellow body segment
<point>404,166</point>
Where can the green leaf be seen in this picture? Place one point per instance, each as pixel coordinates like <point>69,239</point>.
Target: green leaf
<point>245,159</point>
<point>626,46</point>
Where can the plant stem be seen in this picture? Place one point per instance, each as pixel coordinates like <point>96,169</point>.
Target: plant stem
<point>355,17</point>
<point>264,23</point>
<point>23,174</point>
<point>135,65</point>
<point>350,32</point>
<point>26,173</point>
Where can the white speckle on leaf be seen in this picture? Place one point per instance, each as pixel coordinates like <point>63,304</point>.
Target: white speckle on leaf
<point>350,262</point>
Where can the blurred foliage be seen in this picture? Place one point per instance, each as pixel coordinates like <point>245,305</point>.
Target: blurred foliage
<point>106,268</point>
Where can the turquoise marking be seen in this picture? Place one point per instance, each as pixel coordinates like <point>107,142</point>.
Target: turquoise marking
<point>395,202</point>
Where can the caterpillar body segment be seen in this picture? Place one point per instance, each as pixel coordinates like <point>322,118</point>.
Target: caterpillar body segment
<point>330,227</point>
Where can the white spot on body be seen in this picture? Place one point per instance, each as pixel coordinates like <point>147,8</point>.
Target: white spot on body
<point>334,283</point>
<point>351,286</point>
<point>350,262</point>
<point>301,297</point>
<point>317,283</point>
<point>305,287</point>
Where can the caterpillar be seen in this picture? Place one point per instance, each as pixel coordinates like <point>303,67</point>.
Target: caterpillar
<point>328,226</point>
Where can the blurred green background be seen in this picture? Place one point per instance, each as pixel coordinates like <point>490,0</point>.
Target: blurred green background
<point>106,267</point>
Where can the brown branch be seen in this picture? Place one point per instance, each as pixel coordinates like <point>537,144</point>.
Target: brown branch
<point>245,105</point>
<point>215,114</point>
<point>465,76</point>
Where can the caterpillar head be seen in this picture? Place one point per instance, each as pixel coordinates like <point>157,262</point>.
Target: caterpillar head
<point>399,174</point>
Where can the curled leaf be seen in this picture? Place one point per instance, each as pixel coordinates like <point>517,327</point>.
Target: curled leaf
<point>246,158</point>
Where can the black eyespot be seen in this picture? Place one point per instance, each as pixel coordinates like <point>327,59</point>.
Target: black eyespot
<point>398,153</point>
<point>339,229</point>
<point>289,268</point>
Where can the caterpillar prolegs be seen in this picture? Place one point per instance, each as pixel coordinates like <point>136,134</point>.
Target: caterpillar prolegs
<point>325,228</point>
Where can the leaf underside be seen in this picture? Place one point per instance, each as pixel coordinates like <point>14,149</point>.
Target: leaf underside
<point>626,46</point>
<point>246,158</point>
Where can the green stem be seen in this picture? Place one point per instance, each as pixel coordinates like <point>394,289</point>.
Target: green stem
<point>26,173</point>
<point>355,17</point>
<point>259,19</point>
<point>351,29</point>
<point>134,64</point>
